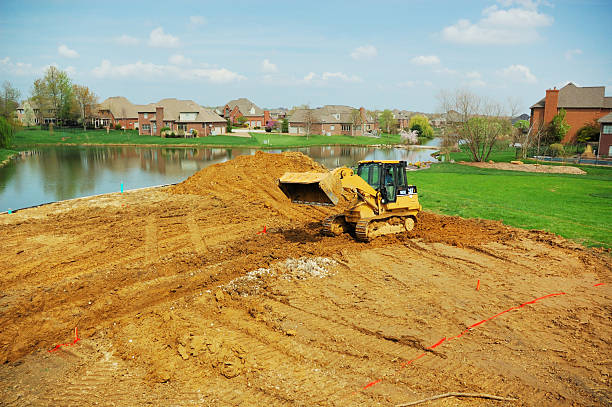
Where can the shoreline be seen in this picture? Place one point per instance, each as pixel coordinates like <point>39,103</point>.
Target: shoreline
<point>25,146</point>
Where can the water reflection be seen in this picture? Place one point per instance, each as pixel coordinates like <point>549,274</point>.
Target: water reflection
<point>55,173</point>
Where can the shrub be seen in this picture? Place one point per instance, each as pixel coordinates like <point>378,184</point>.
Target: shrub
<point>588,132</point>
<point>228,126</point>
<point>285,126</point>
<point>194,132</point>
<point>257,127</point>
<point>268,129</point>
<point>118,126</point>
<point>6,133</point>
<point>556,149</point>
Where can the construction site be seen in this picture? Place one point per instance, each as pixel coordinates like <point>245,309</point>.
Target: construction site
<point>220,291</point>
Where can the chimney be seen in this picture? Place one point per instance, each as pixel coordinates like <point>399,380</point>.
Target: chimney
<point>363,114</point>
<point>550,104</point>
<point>159,119</point>
<point>266,117</point>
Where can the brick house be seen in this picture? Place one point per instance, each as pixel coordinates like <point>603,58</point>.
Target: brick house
<point>583,105</point>
<point>181,116</point>
<point>331,119</point>
<point>48,115</point>
<point>234,109</point>
<point>117,110</point>
<point>605,136</point>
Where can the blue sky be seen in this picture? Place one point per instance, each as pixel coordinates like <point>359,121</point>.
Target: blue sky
<point>388,54</point>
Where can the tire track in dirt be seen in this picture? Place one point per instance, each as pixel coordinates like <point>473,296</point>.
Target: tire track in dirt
<point>151,247</point>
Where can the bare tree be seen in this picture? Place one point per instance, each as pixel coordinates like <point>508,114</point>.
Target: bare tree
<point>308,120</point>
<point>480,122</point>
<point>86,100</point>
<point>355,120</point>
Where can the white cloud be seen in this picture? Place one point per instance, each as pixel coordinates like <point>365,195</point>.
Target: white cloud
<point>17,68</point>
<point>327,77</point>
<point>64,51</point>
<point>364,52</point>
<point>518,73</point>
<point>446,71</point>
<point>178,59</point>
<point>268,67</point>
<point>158,38</point>
<point>148,70</point>
<point>515,25</point>
<point>569,54</point>
<point>127,40</point>
<point>425,60</point>
<point>197,20</point>
<point>70,70</point>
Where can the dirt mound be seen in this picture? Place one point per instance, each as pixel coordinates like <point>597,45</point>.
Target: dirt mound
<point>250,182</point>
<point>460,232</point>
<point>556,169</point>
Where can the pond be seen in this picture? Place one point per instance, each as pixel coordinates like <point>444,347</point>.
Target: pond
<point>48,174</point>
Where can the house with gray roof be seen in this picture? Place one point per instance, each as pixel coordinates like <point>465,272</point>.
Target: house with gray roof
<point>583,105</point>
<point>117,110</point>
<point>256,117</point>
<point>332,119</point>
<point>181,117</point>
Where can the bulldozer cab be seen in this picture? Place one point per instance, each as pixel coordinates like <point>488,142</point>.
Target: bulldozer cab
<point>387,177</point>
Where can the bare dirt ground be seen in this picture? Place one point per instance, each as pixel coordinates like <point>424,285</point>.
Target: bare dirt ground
<point>556,169</point>
<point>179,301</point>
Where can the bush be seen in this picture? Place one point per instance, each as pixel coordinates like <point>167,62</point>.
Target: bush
<point>118,126</point>
<point>268,130</point>
<point>257,127</point>
<point>6,133</point>
<point>556,149</point>
<point>228,126</point>
<point>285,126</point>
<point>194,132</point>
<point>589,132</point>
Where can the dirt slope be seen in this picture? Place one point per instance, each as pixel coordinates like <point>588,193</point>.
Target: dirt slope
<point>179,301</point>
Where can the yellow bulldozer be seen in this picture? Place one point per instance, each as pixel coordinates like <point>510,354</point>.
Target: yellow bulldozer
<point>384,203</point>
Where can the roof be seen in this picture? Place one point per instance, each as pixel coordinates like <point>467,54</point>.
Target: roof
<point>606,119</point>
<point>326,114</point>
<point>173,107</point>
<point>245,106</point>
<point>120,107</point>
<point>572,96</point>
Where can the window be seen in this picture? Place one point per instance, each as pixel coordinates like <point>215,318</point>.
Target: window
<point>607,129</point>
<point>258,123</point>
<point>337,116</point>
<point>146,127</point>
<point>332,127</point>
<point>346,127</point>
<point>146,116</point>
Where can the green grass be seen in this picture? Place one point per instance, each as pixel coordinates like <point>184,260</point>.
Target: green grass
<point>574,206</point>
<point>497,155</point>
<point>6,154</point>
<point>27,138</point>
<point>285,140</point>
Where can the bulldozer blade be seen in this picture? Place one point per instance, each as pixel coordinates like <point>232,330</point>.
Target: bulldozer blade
<point>311,188</point>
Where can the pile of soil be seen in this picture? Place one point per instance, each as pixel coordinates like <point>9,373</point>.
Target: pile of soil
<point>552,169</point>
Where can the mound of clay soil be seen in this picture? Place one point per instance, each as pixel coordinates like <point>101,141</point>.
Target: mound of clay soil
<point>550,169</point>
<point>249,183</point>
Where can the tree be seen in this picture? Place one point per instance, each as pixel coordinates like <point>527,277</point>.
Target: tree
<point>588,132</point>
<point>557,129</point>
<point>53,92</point>
<point>480,122</point>
<point>86,101</point>
<point>387,121</point>
<point>9,100</point>
<point>355,120</point>
<point>522,137</point>
<point>28,119</point>
<point>6,132</point>
<point>308,120</point>
<point>228,126</point>
<point>241,120</point>
<point>285,126</point>
<point>421,124</point>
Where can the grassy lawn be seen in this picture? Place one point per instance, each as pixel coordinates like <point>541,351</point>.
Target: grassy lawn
<point>26,138</point>
<point>5,154</point>
<point>285,140</point>
<point>574,206</point>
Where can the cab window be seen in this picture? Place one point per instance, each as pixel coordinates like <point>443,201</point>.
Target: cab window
<point>370,174</point>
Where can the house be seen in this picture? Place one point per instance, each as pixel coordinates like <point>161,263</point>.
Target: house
<point>402,118</point>
<point>278,114</point>
<point>234,109</point>
<point>524,116</point>
<point>181,117</point>
<point>48,115</point>
<point>583,105</point>
<point>331,119</point>
<point>605,136</point>
<point>117,110</point>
